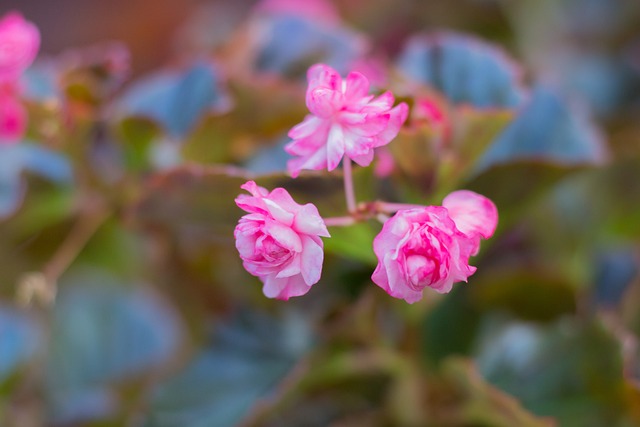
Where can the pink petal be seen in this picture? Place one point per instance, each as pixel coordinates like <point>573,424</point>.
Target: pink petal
<point>324,102</point>
<point>323,75</point>
<point>473,213</point>
<point>254,189</point>
<point>309,221</point>
<point>364,159</point>
<point>284,235</point>
<point>357,87</point>
<point>397,116</point>
<point>312,257</point>
<point>309,126</point>
<point>284,288</point>
<point>372,125</point>
<point>379,104</point>
<point>278,212</point>
<point>310,144</point>
<point>291,269</point>
<point>316,161</point>
<point>335,147</point>
<point>282,198</point>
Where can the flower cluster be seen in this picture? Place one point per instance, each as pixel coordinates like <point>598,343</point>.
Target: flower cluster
<point>418,247</point>
<point>19,44</point>
<point>430,246</point>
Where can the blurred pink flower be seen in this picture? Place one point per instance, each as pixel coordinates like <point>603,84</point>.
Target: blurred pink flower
<point>279,241</point>
<point>314,10</point>
<point>429,111</point>
<point>19,44</point>
<point>385,164</point>
<point>430,246</point>
<point>344,120</point>
<point>13,119</point>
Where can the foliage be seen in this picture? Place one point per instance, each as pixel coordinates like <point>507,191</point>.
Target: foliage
<point>124,302</point>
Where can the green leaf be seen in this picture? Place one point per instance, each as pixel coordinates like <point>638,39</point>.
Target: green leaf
<point>355,241</point>
<point>524,290</point>
<point>249,355</point>
<point>514,185</point>
<point>483,404</point>
<point>454,312</point>
<point>263,110</point>
<point>137,135</point>
<point>570,370</point>
<point>202,198</point>
<point>104,333</point>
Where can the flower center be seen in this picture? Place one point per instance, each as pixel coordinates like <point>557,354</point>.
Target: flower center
<point>271,250</point>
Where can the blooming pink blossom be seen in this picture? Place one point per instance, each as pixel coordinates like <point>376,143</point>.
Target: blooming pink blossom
<point>430,246</point>
<point>13,119</point>
<point>278,241</point>
<point>344,120</point>
<point>19,44</point>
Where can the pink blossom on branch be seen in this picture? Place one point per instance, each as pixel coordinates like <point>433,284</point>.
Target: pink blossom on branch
<point>279,241</point>
<point>344,121</point>
<point>429,247</point>
<point>19,44</point>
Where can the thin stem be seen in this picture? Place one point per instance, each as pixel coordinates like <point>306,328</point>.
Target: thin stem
<point>348,185</point>
<point>394,207</point>
<point>76,240</point>
<point>341,221</point>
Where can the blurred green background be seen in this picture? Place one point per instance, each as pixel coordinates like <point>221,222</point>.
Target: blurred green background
<point>124,303</point>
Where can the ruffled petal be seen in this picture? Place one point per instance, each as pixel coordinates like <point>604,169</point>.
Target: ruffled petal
<point>357,87</point>
<point>472,213</point>
<point>311,260</point>
<point>309,221</point>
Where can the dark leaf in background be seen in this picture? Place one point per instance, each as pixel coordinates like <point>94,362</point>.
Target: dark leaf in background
<point>177,100</point>
<point>614,271</point>
<point>568,370</point>
<point>41,81</point>
<point>547,128</point>
<point>523,290</point>
<point>512,186</point>
<point>196,197</point>
<point>248,356</point>
<point>271,159</point>
<point>289,45</point>
<point>456,312</point>
<point>264,109</point>
<point>604,82</point>
<point>104,333</point>
<point>465,69</point>
<point>32,158</point>
<point>483,404</point>
<point>20,339</point>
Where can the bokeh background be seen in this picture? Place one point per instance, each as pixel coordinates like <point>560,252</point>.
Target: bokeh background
<point>123,301</point>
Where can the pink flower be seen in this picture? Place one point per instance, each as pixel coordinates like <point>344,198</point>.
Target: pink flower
<point>279,241</point>
<point>19,44</point>
<point>344,120</point>
<point>13,119</point>
<point>430,246</point>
